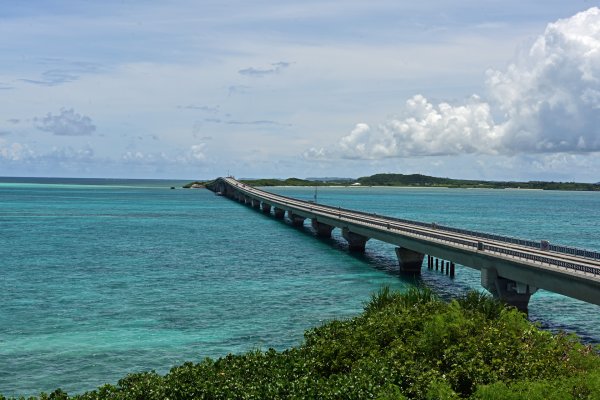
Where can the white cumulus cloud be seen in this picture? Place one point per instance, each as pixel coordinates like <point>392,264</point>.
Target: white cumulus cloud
<point>546,101</point>
<point>550,95</point>
<point>197,152</point>
<point>15,151</point>
<point>426,130</point>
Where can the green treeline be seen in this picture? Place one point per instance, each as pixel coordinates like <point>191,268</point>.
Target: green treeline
<point>422,181</point>
<point>417,180</point>
<point>409,345</point>
<point>194,184</point>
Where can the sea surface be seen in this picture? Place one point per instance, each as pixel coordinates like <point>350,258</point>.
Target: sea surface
<point>100,278</point>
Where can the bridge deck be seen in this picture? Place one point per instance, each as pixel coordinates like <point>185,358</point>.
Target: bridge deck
<point>574,275</point>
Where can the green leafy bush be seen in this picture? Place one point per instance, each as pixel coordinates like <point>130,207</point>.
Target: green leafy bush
<point>404,345</point>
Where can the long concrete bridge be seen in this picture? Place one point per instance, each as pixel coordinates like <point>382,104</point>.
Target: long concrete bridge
<point>511,269</point>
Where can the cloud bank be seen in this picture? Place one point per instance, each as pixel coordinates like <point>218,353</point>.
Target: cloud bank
<point>546,101</point>
<point>67,123</point>
<point>81,161</point>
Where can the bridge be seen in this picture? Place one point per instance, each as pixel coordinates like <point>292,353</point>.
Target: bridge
<point>511,269</point>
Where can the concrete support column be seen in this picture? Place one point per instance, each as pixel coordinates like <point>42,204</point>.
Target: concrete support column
<point>514,293</point>
<point>297,220</point>
<point>356,242</point>
<point>410,261</point>
<point>247,200</point>
<point>279,213</point>
<point>256,203</point>
<point>323,230</point>
<point>266,208</point>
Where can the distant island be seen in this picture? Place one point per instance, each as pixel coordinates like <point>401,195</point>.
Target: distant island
<point>415,180</point>
<point>194,185</point>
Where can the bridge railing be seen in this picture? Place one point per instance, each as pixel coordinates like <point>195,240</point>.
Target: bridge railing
<point>542,259</point>
<point>499,238</point>
<point>484,247</point>
<point>527,243</point>
<point>575,251</point>
<point>473,244</point>
<point>417,232</point>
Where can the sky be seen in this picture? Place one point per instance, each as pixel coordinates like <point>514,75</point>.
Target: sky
<point>195,89</point>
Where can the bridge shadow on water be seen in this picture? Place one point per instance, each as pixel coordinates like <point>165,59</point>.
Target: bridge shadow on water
<point>376,258</point>
<point>380,256</point>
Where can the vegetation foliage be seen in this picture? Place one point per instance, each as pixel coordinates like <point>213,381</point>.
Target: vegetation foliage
<point>403,346</point>
<point>424,181</point>
<point>194,184</point>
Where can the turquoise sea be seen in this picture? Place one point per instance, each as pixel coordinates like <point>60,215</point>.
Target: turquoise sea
<point>99,278</point>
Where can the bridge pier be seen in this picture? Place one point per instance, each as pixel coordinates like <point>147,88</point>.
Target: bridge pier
<point>511,292</point>
<point>410,261</point>
<point>296,219</point>
<point>255,203</point>
<point>266,208</point>
<point>447,267</point>
<point>279,213</point>
<point>323,230</point>
<point>355,241</point>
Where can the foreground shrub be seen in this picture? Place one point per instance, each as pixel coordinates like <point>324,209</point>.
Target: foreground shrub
<point>404,345</point>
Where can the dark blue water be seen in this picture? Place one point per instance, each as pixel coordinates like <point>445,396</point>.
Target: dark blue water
<point>99,279</point>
